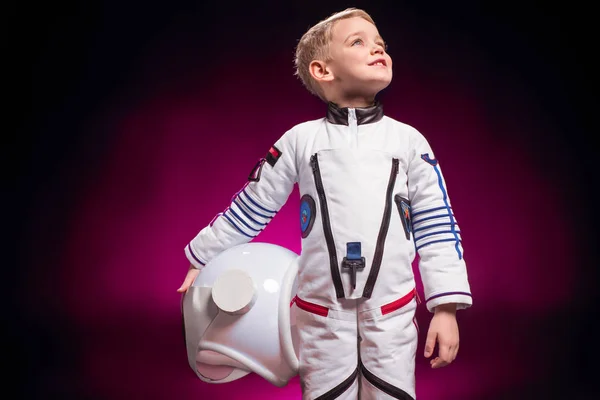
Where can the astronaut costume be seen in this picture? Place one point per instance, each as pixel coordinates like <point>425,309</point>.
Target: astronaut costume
<point>372,197</point>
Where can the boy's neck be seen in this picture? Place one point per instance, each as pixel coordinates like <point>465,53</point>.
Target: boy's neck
<point>355,102</point>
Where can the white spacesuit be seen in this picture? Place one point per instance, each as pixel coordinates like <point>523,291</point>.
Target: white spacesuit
<point>372,196</point>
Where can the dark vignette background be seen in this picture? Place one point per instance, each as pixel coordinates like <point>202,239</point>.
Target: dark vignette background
<point>81,67</point>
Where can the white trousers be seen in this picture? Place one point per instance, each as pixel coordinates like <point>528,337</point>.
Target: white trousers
<point>358,351</point>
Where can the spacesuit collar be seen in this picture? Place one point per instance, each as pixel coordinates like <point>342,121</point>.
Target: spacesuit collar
<point>364,115</point>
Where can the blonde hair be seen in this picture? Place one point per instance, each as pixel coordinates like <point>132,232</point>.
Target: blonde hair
<point>314,45</point>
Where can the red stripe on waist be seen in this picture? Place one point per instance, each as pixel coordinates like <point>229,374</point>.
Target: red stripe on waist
<point>311,307</point>
<point>396,304</point>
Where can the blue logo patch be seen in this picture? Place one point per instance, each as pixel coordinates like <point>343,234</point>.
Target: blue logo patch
<point>307,214</point>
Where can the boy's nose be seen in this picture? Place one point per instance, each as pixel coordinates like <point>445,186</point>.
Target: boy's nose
<point>377,49</point>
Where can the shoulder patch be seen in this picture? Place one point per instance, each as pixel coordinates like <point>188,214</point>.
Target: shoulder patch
<point>429,160</point>
<point>273,156</point>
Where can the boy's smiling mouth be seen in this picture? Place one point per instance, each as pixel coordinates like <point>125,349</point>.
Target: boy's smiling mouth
<point>379,62</point>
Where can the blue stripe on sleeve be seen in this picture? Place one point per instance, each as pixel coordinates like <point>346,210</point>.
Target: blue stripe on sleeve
<point>252,209</point>
<point>256,204</point>
<point>242,221</point>
<point>248,215</point>
<point>439,241</point>
<point>237,227</point>
<point>194,255</point>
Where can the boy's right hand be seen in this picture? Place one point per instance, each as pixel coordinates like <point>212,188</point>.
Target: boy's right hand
<point>189,279</point>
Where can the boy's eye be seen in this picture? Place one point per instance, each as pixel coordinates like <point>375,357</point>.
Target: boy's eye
<point>357,41</point>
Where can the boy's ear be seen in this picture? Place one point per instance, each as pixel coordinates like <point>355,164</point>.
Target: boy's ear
<point>320,71</point>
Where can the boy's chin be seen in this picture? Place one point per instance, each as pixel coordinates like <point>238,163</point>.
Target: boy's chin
<point>368,89</point>
<point>380,83</point>
<point>379,86</point>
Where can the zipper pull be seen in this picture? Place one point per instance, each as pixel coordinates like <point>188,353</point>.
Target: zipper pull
<point>352,114</point>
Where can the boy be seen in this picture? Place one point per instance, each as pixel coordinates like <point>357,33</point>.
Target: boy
<point>372,195</point>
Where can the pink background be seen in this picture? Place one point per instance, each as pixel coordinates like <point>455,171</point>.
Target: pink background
<point>166,115</point>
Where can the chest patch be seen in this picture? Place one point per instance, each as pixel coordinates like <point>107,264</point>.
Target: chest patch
<point>307,214</point>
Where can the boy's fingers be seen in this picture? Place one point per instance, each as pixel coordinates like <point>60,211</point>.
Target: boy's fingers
<point>446,356</point>
<point>183,288</point>
<point>185,285</point>
<point>454,352</point>
<point>189,279</point>
<point>445,353</point>
<point>430,343</point>
<point>438,363</point>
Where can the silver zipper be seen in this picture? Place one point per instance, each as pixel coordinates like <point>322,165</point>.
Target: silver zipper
<point>352,122</point>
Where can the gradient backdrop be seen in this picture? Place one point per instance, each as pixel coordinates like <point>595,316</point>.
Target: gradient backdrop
<point>147,117</point>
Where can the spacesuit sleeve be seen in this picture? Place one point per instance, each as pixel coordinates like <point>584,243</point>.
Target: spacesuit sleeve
<point>268,187</point>
<point>436,232</point>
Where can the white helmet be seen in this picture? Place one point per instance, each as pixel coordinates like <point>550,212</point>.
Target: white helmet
<point>237,315</point>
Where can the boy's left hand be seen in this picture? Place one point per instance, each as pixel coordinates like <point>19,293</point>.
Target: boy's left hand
<point>443,329</point>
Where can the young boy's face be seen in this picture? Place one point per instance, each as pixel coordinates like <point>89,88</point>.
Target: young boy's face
<point>359,62</point>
